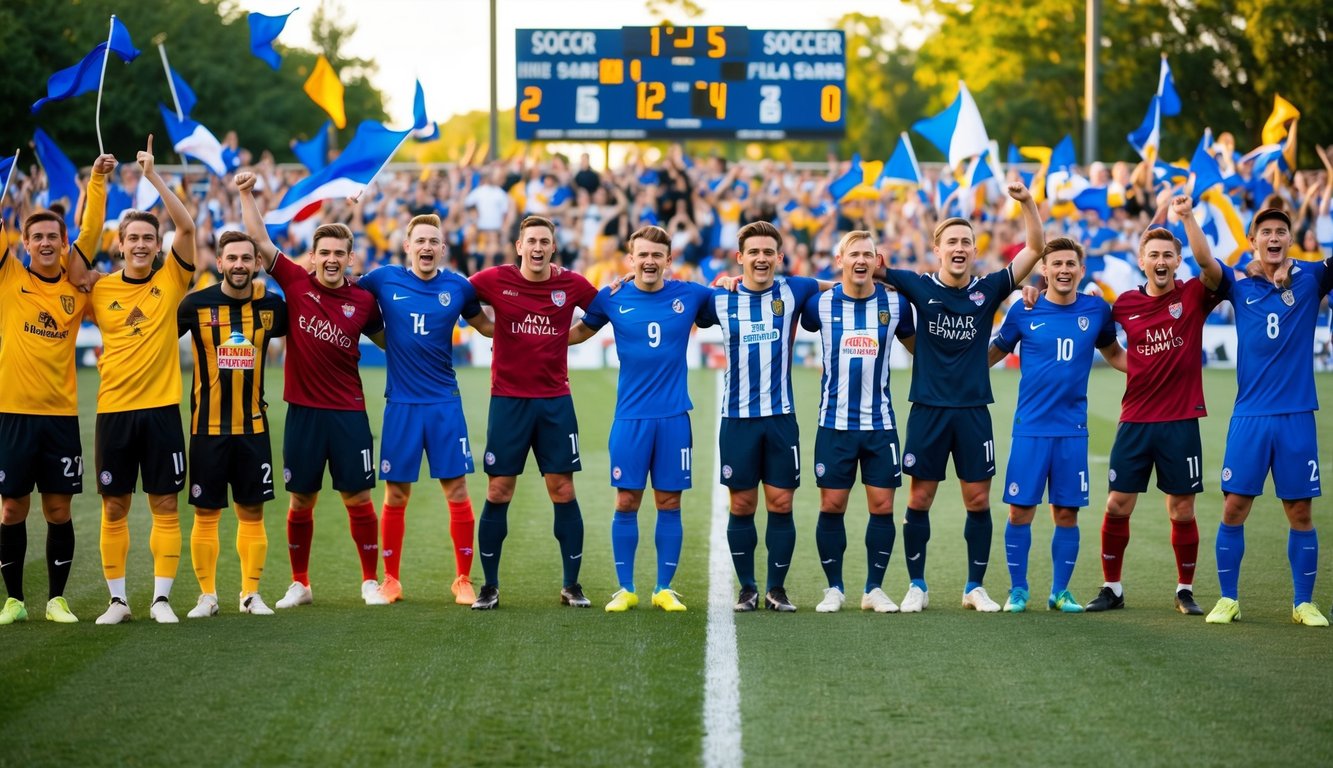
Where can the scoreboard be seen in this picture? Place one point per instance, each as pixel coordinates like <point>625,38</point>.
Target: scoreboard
<point>680,82</point>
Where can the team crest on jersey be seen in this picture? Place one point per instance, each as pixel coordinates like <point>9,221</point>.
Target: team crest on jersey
<point>385,466</point>
<point>67,304</point>
<point>490,458</point>
<point>1083,323</point>
<point>196,491</point>
<point>348,310</point>
<point>1176,309</point>
<point>266,319</point>
<point>1226,474</point>
<point>446,298</point>
<point>1013,489</point>
<point>678,306</point>
<point>779,306</point>
<point>1288,297</point>
<point>819,469</point>
<point>977,297</point>
<point>726,471</point>
<point>615,473</point>
<point>884,317</point>
<point>135,317</point>
<point>105,477</point>
<point>286,475</point>
<point>155,292</point>
<point>909,460</point>
<point>558,298</point>
<point>1111,475</point>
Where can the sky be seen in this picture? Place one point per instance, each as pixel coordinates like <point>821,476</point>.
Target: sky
<point>445,43</point>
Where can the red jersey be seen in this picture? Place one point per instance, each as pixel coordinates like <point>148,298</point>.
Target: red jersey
<point>325,327</point>
<point>531,343</point>
<point>1164,336</point>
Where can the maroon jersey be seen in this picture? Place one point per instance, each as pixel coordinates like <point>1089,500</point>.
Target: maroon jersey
<point>1164,336</point>
<point>532,322</point>
<point>325,326</point>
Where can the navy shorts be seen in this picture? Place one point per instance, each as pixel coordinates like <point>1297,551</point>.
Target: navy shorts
<point>316,436</point>
<point>436,429</point>
<point>1172,447</point>
<point>41,451</point>
<point>1287,444</point>
<point>245,462</point>
<point>662,447</point>
<point>148,441</point>
<point>933,434</point>
<point>1039,463</point>
<point>760,450</point>
<point>839,452</point>
<point>546,425</point>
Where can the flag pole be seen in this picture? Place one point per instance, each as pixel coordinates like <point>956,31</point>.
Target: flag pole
<point>106,56</point>
<point>12,170</point>
<point>171,84</point>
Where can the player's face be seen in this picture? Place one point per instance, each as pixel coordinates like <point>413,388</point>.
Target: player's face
<point>1271,241</point>
<point>535,246</point>
<point>956,251</point>
<point>649,262</point>
<point>1063,272</point>
<point>139,245</point>
<point>425,250</point>
<point>238,264</point>
<point>858,262</point>
<point>759,258</point>
<point>1159,260</point>
<point>330,258</point>
<point>44,244</point>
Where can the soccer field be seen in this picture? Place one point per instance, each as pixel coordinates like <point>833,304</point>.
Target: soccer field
<point>427,682</point>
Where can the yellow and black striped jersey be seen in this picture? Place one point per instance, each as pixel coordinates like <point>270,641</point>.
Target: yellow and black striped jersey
<point>230,338</point>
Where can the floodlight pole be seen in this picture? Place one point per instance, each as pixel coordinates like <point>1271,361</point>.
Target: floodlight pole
<point>1094,36</point>
<point>493,150</point>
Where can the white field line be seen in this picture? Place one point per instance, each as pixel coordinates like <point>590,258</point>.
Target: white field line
<point>722,691</point>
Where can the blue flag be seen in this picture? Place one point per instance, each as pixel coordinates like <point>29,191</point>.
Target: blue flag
<point>184,93</point>
<point>1147,138</point>
<point>61,175</point>
<point>191,139</point>
<point>6,168</point>
<point>423,128</point>
<point>85,76</point>
<point>841,186</point>
<point>263,31</point>
<point>314,151</point>
<point>1204,168</point>
<point>902,167</point>
<point>1094,199</point>
<point>1063,157</point>
<point>351,172</point>
<point>1166,90</point>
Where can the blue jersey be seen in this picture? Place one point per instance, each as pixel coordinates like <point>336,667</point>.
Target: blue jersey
<point>419,319</point>
<point>1058,343</point>
<point>953,338</point>
<point>1275,340</point>
<point>758,329</point>
<point>856,336</point>
<point>652,331</point>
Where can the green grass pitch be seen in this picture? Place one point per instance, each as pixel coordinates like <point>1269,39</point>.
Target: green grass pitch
<point>427,682</point>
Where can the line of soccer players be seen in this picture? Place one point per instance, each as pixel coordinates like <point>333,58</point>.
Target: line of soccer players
<point>411,311</point>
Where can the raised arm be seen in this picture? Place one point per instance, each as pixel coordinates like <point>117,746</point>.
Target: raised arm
<point>80,266</point>
<point>254,220</point>
<point>1026,259</point>
<point>1211,273</point>
<point>183,244</point>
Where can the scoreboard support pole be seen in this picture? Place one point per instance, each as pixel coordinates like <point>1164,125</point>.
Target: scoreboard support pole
<point>493,151</point>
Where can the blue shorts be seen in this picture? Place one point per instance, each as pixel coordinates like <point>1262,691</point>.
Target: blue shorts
<point>933,434</point>
<point>317,435</point>
<point>660,446</point>
<point>1173,447</point>
<point>1035,463</point>
<point>839,452</point>
<point>439,429</point>
<point>547,425</point>
<point>1287,444</point>
<point>761,450</point>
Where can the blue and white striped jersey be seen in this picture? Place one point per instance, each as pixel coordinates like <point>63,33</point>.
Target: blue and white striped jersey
<point>856,336</point>
<point>758,329</point>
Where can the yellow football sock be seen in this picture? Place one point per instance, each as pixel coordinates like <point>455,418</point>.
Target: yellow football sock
<point>165,542</point>
<point>252,547</point>
<point>204,548</point>
<point>115,545</point>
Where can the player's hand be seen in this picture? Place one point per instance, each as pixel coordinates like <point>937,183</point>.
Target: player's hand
<point>1030,296</point>
<point>619,282</point>
<point>244,181</point>
<point>727,282</point>
<point>1019,191</point>
<point>1181,206</point>
<point>145,157</point>
<point>1282,277</point>
<point>104,164</point>
<point>1164,196</point>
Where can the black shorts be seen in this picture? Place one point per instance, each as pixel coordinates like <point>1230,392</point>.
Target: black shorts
<point>1173,447</point>
<point>245,462</point>
<point>547,425</point>
<point>318,435</point>
<point>150,441</point>
<point>838,454</point>
<point>933,434</point>
<point>766,449</point>
<point>39,450</point>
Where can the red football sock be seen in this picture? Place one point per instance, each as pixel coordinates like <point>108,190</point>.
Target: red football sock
<point>391,537</point>
<point>461,528</point>
<point>300,530</point>
<point>1115,537</point>
<point>1185,541</point>
<point>365,532</point>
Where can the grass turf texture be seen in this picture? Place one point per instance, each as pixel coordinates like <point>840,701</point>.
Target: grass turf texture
<point>426,681</point>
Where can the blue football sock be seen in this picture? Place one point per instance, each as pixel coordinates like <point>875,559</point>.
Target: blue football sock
<point>780,539</point>
<point>624,540</point>
<point>831,541</point>
<point>916,532</point>
<point>492,527</point>
<point>1064,554</point>
<point>1017,546</point>
<point>568,529</point>
<point>742,540</point>
<point>977,532</point>
<point>1303,553</point>
<point>880,535</point>
<point>1229,551</point>
<point>667,538</point>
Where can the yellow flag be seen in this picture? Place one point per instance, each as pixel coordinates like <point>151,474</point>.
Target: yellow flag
<point>325,89</point>
<point>1276,127</point>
